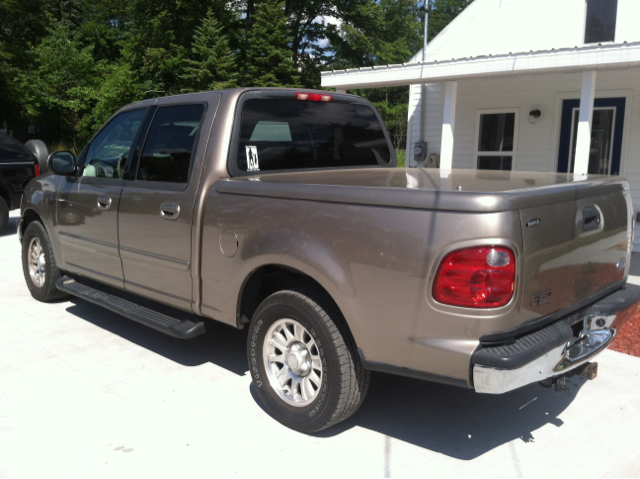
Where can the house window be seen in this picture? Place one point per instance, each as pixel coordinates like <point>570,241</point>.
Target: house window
<point>601,21</point>
<point>496,141</point>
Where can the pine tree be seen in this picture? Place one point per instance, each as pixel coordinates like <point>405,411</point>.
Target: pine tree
<point>269,62</point>
<point>212,66</point>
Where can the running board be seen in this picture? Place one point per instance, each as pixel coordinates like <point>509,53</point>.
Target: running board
<point>178,328</point>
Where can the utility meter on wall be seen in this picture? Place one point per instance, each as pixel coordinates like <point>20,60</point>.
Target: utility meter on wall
<point>420,152</point>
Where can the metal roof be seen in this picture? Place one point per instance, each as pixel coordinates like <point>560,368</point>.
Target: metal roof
<point>588,57</point>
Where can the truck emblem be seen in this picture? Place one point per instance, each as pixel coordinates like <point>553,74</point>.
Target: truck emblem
<point>533,222</point>
<point>621,264</point>
<point>540,298</point>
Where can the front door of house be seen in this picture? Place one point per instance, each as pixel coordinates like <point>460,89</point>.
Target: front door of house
<point>606,136</point>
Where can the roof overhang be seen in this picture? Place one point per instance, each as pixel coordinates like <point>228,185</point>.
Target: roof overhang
<point>598,57</point>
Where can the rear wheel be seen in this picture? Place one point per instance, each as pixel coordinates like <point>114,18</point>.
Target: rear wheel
<point>304,367</point>
<point>39,265</point>
<point>4,215</point>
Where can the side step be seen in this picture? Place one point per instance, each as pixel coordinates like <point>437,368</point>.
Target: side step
<point>183,329</point>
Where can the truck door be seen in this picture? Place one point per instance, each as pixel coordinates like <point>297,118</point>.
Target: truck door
<point>156,207</point>
<point>87,207</point>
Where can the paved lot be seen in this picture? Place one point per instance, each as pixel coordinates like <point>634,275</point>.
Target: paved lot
<point>84,392</point>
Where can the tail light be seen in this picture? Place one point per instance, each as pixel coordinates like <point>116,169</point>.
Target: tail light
<point>37,167</point>
<point>481,277</point>
<point>313,97</point>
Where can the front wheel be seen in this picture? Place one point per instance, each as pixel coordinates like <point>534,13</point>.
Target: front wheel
<point>304,367</point>
<point>39,265</point>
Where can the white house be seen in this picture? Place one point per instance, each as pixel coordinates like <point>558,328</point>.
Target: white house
<point>538,85</point>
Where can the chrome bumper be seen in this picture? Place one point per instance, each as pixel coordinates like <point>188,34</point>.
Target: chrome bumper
<point>558,361</point>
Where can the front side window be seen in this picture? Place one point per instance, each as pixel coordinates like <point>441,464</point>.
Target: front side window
<point>293,134</point>
<point>170,143</point>
<point>496,141</point>
<point>109,151</point>
<point>601,21</point>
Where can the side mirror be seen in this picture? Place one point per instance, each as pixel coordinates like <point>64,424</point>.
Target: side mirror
<point>62,163</point>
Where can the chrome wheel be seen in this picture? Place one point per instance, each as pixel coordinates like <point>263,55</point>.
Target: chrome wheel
<point>37,262</point>
<point>292,362</point>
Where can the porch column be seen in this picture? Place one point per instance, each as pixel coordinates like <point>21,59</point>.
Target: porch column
<point>583,142</point>
<point>448,124</point>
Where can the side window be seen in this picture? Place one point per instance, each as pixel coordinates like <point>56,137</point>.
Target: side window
<point>169,147</point>
<point>109,151</point>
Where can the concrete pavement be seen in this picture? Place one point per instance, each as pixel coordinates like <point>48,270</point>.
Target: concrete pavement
<point>85,392</point>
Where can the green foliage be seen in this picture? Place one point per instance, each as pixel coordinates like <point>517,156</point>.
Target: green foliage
<point>66,78</point>
<point>269,61</point>
<point>442,13</point>
<point>80,60</point>
<point>213,63</point>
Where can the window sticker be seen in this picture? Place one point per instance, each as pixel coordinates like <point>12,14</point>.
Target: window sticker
<point>252,158</point>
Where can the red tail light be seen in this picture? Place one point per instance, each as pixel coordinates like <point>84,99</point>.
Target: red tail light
<point>37,169</point>
<point>313,97</point>
<point>481,277</point>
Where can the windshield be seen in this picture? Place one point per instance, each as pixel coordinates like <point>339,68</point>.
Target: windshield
<point>294,134</point>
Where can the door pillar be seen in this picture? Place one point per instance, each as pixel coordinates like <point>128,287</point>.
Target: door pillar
<point>448,124</point>
<point>583,141</point>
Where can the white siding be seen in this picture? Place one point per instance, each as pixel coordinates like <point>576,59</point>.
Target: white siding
<point>435,109</point>
<point>502,26</point>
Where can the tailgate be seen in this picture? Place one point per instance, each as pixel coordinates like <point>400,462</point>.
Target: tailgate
<point>574,249</point>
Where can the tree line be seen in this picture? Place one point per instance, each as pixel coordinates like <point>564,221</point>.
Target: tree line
<point>74,62</point>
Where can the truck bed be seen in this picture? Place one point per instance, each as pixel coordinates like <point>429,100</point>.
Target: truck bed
<point>478,191</point>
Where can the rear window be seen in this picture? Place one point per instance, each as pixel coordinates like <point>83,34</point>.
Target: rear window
<point>295,134</point>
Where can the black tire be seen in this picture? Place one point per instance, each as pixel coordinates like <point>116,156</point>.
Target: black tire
<point>4,215</point>
<point>343,382</point>
<point>47,291</point>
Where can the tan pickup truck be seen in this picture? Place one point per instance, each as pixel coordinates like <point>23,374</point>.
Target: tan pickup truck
<point>282,212</point>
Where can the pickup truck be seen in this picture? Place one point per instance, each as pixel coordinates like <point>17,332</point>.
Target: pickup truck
<point>283,212</point>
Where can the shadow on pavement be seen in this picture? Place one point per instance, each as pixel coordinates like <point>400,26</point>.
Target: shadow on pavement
<point>222,345</point>
<point>453,421</point>
<point>11,228</point>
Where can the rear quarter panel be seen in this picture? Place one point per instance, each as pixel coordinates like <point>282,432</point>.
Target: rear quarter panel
<point>376,262</point>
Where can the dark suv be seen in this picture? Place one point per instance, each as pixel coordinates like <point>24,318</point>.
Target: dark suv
<point>17,167</point>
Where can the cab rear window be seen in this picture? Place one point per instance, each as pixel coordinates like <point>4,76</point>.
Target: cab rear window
<point>292,134</point>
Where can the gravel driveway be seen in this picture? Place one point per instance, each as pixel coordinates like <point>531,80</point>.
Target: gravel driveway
<point>84,392</point>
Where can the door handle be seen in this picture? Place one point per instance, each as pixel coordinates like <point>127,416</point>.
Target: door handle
<point>592,218</point>
<point>104,203</point>
<point>170,211</point>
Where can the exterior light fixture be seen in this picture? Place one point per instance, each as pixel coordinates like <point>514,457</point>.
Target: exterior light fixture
<point>534,115</point>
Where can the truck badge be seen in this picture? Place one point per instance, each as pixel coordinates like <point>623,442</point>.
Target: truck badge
<point>533,222</point>
<point>540,298</point>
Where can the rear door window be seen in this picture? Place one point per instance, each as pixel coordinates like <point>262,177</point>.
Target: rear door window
<point>168,150</point>
<point>280,134</point>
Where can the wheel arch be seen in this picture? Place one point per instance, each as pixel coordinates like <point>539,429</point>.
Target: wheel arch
<point>29,215</point>
<point>271,278</point>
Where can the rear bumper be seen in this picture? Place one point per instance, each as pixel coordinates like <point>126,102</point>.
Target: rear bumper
<point>556,349</point>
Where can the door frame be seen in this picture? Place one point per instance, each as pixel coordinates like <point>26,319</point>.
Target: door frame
<point>557,123</point>
<point>566,131</point>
